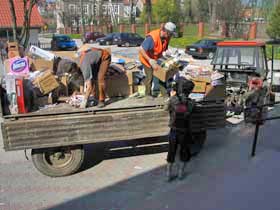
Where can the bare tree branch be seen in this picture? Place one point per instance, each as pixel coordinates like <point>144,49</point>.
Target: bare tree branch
<point>14,19</point>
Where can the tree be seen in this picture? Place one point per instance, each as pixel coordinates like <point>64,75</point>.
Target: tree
<point>229,12</point>
<point>273,29</point>
<point>24,35</point>
<point>167,10</point>
<point>149,10</point>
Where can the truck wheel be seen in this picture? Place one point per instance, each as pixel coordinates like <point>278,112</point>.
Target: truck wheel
<point>199,139</point>
<point>58,161</point>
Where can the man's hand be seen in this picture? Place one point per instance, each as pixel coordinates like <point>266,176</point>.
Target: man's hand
<point>172,93</point>
<point>83,105</point>
<point>154,64</point>
<point>166,53</point>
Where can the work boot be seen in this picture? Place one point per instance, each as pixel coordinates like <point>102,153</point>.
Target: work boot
<point>101,104</point>
<point>181,170</point>
<point>169,172</point>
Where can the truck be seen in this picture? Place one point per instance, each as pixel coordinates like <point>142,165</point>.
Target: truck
<point>56,136</point>
<point>248,82</point>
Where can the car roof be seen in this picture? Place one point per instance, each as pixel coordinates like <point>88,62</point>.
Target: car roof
<point>241,44</point>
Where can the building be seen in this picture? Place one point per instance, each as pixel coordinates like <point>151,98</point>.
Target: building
<point>6,21</point>
<point>94,11</point>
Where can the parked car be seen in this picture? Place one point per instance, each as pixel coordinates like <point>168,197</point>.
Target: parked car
<point>92,36</point>
<point>128,39</point>
<point>107,40</point>
<point>63,42</point>
<point>204,48</point>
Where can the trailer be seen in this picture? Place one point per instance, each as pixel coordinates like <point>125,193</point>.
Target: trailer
<point>56,136</point>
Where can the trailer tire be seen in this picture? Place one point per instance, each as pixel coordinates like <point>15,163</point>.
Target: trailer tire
<point>199,139</point>
<point>58,161</point>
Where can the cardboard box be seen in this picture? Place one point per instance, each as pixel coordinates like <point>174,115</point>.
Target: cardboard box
<point>40,64</point>
<point>13,46</point>
<point>41,53</point>
<point>164,74</point>
<point>18,66</point>
<point>199,87</point>
<point>47,82</point>
<point>66,54</point>
<point>131,76</point>
<point>12,54</point>
<point>117,86</point>
<point>202,79</point>
<point>214,93</point>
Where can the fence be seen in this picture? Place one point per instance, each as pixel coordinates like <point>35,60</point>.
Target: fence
<point>42,45</point>
<point>242,30</point>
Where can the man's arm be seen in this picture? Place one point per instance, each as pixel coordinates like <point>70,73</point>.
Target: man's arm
<point>88,89</point>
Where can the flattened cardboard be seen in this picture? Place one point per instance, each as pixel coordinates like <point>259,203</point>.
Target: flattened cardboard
<point>47,82</point>
<point>40,64</point>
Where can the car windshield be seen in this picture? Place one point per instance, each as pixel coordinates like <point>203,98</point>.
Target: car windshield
<point>110,35</point>
<point>240,59</point>
<point>137,35</point>
<point>63,38</point>
<point>203,41</point>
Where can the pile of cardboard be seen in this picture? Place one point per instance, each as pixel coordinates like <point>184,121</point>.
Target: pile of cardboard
<point>22,72</point>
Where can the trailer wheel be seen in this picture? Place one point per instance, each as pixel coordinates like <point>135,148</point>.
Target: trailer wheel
<point>199,139</point>
<point>58,161</point>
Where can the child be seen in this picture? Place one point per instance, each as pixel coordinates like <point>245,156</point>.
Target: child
<point>179,107</point>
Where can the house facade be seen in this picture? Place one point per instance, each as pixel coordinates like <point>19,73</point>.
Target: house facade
<point>6,21</point>
<point>94,11</point>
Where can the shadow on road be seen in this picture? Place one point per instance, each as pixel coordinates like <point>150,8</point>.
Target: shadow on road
<point>223,176</point>
<point>96,153</point>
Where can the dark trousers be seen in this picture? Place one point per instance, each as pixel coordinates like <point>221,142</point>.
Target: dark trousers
<point>178,138</point>
<point>149,80</point>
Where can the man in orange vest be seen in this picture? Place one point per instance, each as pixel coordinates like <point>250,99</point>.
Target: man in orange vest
<point>151,50</point>
<point>94,64</point>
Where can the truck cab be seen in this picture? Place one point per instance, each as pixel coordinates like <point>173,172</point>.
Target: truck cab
<point>244,64</point>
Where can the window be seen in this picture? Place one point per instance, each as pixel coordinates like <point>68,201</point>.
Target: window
<point>85,9</point>
<point>71,9</point>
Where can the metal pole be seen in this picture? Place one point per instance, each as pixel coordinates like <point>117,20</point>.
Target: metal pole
<point>255,140</point>
<point>272,64</point>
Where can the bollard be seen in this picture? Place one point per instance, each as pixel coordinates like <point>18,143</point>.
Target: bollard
<point>121,28</point>
<point>147,28</point>
<point>133,28</point>
<point>200,29</point>
<point>182,28</point>
<point>253,31</point>
<point>91,28</point>
<point>110,28</point>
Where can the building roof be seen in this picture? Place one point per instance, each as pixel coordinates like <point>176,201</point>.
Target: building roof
<point>6,19</point>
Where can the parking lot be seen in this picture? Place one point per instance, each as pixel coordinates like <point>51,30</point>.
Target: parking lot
<point>130,175</point>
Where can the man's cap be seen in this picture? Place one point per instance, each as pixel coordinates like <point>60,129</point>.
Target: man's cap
<point>170,27</point>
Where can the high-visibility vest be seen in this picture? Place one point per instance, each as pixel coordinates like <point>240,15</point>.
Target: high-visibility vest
<point>159,47</point>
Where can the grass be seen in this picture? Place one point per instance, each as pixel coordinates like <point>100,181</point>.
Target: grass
<point>276,52</point>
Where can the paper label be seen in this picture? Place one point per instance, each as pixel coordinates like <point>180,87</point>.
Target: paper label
<point>18,66</point>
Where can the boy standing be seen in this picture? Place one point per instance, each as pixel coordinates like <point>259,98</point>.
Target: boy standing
<point>180,108</point>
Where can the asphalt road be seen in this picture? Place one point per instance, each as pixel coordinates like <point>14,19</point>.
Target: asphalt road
<point>130,175</point>
<point>126,175</point>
